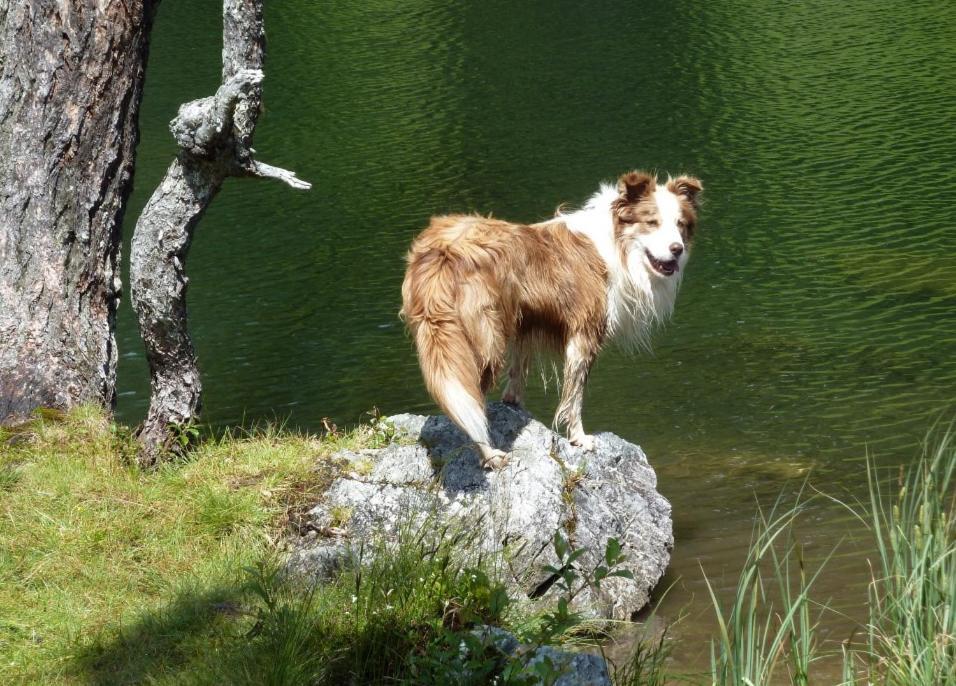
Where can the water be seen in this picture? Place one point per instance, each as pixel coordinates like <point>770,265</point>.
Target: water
<point>816,320</point>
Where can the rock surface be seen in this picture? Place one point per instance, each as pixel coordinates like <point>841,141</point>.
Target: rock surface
<point>548,485</point>
<point>575,669</point>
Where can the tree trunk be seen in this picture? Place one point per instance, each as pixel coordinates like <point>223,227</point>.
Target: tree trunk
<point>71,79</point>
<point>215,139</point>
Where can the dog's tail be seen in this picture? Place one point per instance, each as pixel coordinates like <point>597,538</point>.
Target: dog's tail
<point>452,377</point>
<point>448,313</point>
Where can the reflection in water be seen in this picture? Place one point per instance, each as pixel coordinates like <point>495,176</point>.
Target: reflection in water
<point>816,318</point>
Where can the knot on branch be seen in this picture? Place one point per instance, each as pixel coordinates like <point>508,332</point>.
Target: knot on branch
<point>204,127</point>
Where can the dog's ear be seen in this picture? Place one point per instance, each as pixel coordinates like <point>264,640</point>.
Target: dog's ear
<point>687,187</point>
<point>635,185</point>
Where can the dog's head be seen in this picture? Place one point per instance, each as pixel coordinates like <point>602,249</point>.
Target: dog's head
<point>655,222</point>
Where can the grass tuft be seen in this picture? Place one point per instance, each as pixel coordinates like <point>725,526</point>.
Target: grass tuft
<point>911,633</point>
<point>910,638</point>
<point>768,627</point>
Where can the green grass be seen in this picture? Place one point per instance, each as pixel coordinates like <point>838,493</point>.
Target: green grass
<point>109,574</point>
<point>113,575</point>
<point>911,633</point>
<point>368,626</point>
<point>767,635</point>
<point>768,629</point>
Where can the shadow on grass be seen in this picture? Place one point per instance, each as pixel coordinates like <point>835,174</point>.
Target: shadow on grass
<point>177,643</point>
<point>262,630</point>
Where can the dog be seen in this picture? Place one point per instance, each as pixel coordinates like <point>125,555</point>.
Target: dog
<point>480,292</point>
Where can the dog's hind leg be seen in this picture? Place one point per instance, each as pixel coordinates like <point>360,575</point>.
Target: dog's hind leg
<point>482,323</point>
<point>579,354</point>
<point>517,372</point>
<point>467,411</point>
<point>492,458</point>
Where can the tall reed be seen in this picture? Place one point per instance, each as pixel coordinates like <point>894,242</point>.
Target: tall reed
<point>768,627</point>
<point>911,632</point>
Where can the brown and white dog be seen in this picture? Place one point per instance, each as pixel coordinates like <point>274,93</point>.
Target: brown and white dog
<point>478,290</point>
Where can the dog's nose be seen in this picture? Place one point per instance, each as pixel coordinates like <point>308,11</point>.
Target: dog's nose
<point>677,249</point>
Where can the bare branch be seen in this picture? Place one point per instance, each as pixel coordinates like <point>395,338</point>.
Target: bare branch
<point>267,171</point>
<point>215,139</point>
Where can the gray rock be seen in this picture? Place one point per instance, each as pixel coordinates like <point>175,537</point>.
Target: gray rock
<point>402,464</point>
<point>548,485</point>
<point>320,562</point>
<point>576,669</point>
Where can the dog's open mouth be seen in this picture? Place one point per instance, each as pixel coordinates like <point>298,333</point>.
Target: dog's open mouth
<point>667,268</point>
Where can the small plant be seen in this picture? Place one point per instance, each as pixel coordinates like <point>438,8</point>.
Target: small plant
<point>340,516</point>
<point>571,581</point>
<point>646,665</point>
<point>381,429</point>
<point>50,414</point>
<point>363,466</point>
<point>571,479</point>
<point>8,477</point>
<point>184,436</point>
<point>331,430</point>
<point>466,652</point>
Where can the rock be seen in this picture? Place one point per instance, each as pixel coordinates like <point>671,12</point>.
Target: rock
<point>576,669</point>
<point>548,485</point>
<point>321,562</point>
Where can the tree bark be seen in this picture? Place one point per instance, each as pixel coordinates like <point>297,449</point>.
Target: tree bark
<point>215,139</point>
<point>71,80</point>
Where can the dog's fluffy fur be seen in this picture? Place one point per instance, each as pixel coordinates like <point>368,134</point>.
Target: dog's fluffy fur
<point>478,290</point>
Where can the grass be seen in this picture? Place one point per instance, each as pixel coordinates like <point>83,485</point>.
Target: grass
<point>911,633</point>
<point>767,635</point>
<point>361,628</point>
<point>113,575</point>
<point>757,639</point>
<point>97,554</point>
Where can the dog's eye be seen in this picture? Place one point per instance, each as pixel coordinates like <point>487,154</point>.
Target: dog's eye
<point>681,224</point>
<point>653,223</point>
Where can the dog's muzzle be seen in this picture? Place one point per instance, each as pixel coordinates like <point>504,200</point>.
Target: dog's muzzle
<point>663,267</point>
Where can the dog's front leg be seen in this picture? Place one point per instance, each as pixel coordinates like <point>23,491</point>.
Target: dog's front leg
<point>579,355</point>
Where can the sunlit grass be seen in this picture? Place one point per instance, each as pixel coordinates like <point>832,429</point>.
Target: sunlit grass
<point>767,635</point>
<point>89,543</point>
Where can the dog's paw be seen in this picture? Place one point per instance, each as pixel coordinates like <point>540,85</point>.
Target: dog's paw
<point>583,441</point>
<point>494,459</point>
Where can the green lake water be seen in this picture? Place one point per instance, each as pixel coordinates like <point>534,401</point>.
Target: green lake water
<point>817,319</point>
